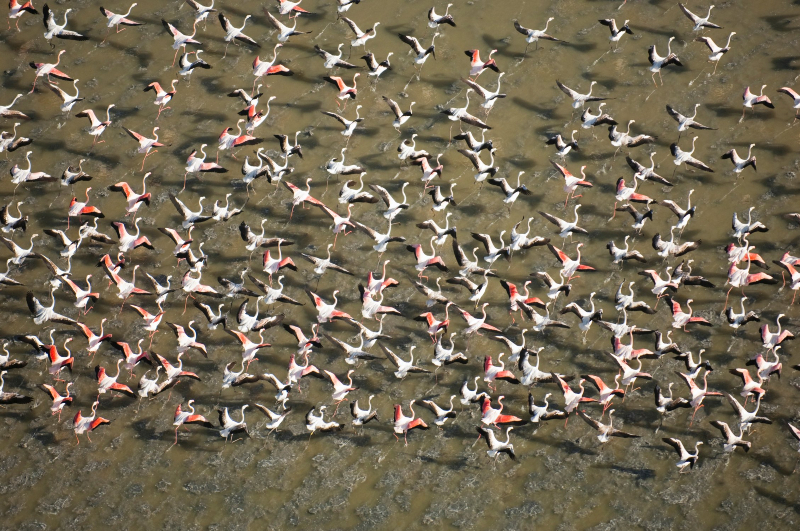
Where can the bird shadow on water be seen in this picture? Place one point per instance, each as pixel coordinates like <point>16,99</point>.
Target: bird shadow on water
<point>453,463</point>
<point>780,22</point>
<point>43,435</point>
<point>60,145</point>
<point>786,63</point>
<point>201,116</point>
<point>546,112</point>
<point>657,31</point>
<point>522,163</point>
<point>639,473</point>
<point>777,498</point>
<point>144,58</point>
<point>580,47</point>
<point>722,110</point>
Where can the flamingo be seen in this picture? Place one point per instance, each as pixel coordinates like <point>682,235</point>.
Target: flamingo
<point>134,200</point>
<point>681,319</point>
<point>751,100</point>
<point>317,422</point>
<point>424,260</point>
<point>345,92</point>
<point>685,458</point>
<point>232,33</point>
<point>739,278</point>
<point>403,367</point>
<point>20,254</point>
<point>15,11</point>
<point>327,312</point>
<point>269,68</point>
<point>699,22</point>
<point>180,40</point>
<point>739,163</point>
<point>47,70</point>
<point>81,424</point>
<point>658,62</point>
<point>188,417</point>
<point>162,96</point>
<point>363,416</point>
<point>285,32</point>
<point>42,314</point>
<point>771,340</point>
<point>404,424</point>
<point>59,402</point>
<point>94,340</point>
<point>533,35</point>
<point>53,29</point>
<point>195,164</point>
<point>421,54</point>
<point>10,142</point>
<point>106,383</point>
<point>434,325</point>
<point>115,19</point>
<point>97,127</point>
<point>697,393</point>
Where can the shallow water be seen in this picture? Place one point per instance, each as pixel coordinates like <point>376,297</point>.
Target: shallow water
<point>562,478</point>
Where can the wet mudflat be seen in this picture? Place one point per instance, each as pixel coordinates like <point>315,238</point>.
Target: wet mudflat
<point>364,478</point>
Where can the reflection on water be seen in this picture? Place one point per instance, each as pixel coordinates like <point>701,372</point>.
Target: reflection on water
<point>562,477</point>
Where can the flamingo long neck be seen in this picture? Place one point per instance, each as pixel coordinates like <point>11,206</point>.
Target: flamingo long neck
<point>28,158</point>
<point>129,10</point>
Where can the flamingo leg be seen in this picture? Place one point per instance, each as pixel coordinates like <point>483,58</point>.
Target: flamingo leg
<point>726,298</point>
<point>695,413</point>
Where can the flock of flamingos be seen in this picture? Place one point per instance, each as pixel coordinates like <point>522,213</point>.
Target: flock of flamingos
<point>242,305</point>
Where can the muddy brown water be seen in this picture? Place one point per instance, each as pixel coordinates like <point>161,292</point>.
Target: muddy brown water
<point>562,479</point>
